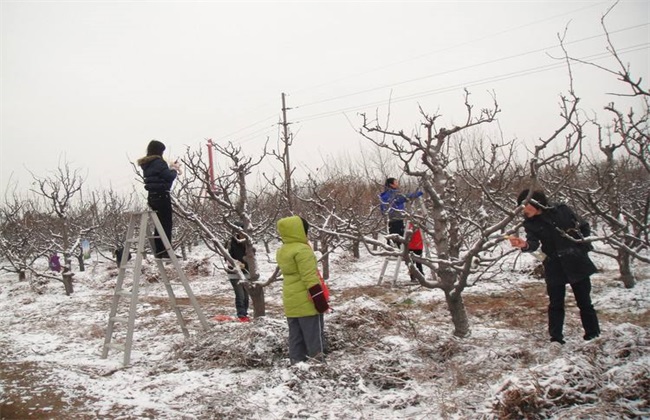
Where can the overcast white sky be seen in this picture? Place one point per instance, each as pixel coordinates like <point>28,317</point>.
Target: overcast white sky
<point>92,82</point>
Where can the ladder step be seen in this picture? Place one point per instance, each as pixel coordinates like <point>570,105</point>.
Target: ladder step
<point>116,346</point>
<point>120,319</point>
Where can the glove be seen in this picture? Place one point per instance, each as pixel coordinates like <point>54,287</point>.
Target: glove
<point>318,297</point>
<point>176,167</point>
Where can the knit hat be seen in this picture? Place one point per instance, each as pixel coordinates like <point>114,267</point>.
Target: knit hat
<point>537,200</point>
<point>155,147</point>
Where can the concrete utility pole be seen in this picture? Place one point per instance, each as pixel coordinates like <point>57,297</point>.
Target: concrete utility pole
<point>211,167</point>
<point>286,161</point>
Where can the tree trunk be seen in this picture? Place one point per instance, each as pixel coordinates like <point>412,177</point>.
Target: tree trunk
<point>257,296</point>
<point>625,269</point>
<point>22,275</point>
<point>375,236</point>
<point>326,265</point>
<point>355,250</point>
<point>267,247</point>
<point>80,260</point>
<point>67,282</point>
<point>458,313</point>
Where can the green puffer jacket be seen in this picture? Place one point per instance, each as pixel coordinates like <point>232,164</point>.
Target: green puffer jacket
<point>299,268</point>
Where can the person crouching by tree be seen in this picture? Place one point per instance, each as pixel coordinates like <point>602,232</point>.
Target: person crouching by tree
<point>158,180</point>
<point>567,261</point>
<point>237,250</point>
<point>302,294</point>
<point>393,205</point>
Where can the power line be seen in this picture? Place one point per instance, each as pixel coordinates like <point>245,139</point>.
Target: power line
<point>428,76</point>
<point>248,126</point>
<point>496,78</point>
<point>451,47</point>
<point>324,114</point>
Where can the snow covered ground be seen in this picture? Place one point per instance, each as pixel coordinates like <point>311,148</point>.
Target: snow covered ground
<point>392,352</point>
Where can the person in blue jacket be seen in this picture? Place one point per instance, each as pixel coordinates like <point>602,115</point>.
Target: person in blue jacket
<point>158,180</point>
<point>393,204</point>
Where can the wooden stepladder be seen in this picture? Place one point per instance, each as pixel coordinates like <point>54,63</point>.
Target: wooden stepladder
<point>138,235</point>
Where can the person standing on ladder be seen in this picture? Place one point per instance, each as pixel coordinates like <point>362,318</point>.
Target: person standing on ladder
<point>393,205</point>
<point>158,180</point>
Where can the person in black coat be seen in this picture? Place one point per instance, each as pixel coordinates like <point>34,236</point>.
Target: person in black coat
<point>237,250</point>
<point>158,180</point>
<point>560,232</point>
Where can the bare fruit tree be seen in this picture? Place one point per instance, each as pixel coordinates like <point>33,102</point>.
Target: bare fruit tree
<point>343,203</point>
<point>58,192</point>
<point>428,156</point>
<point>110,214</point>
<point>20,221</point>
<point>468,207</point>
<point>617,188</point>
<point>219,212</point>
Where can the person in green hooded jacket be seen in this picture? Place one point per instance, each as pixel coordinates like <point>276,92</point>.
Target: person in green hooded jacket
<point>302,294</point>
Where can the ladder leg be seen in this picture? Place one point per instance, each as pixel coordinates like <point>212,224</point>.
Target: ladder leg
<point>118,289</point>
<point>172,297</point>
<point>120,292</point>
<point>161,234</point>
<point>133,307</point>
<point>193,301</point>
<point>383,270</point>
<point>398,262</point>
<point>181,274</point>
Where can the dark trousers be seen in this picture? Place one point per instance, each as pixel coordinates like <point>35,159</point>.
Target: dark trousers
<point>418,265</point>
<point>396,226</point>
<point>241,297</point>
<point>161,203</point>
<point>306,338</point>
<point>581,290</point>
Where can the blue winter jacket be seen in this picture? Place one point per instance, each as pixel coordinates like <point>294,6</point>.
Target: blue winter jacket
<point>393,202</point>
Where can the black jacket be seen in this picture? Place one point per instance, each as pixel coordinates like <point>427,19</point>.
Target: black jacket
<point>157,175</point>
<point>566,260</point>
<point>237,250</point>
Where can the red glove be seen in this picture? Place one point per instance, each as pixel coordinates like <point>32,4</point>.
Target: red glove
<point>318,297</point>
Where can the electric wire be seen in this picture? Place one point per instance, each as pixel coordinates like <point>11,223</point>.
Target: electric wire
<point>431,92</point>
<point>412,59</point>
<point>224,137</point>
<point>451,47</point>
<point>401,99</point>
<point>478,82</point>
<point>442,73</point>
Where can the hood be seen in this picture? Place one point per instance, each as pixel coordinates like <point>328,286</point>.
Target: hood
<point>291,230</point>
<point>148,159</point>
